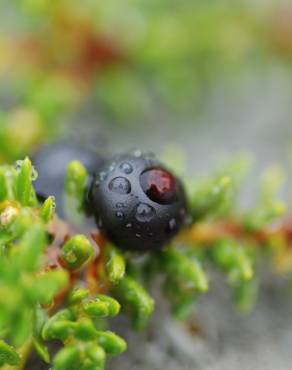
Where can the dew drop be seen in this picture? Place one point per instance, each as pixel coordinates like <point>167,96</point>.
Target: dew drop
<point>120,215</point>
<point>53,202</point>
<point>120,185</point>
<point>137,153</point>
<point>172,226</point>
<point>126,168</point>
<point>144,212</point>
<point>102,175</point>
<point>150,158</point>
<point>34,174</point>
<point>18,165</point>
<point>112,167</point>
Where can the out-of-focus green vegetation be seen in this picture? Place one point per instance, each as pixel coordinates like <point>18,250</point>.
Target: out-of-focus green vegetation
<point>130,58</point>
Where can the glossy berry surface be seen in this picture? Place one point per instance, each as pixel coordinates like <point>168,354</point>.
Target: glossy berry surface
<point>51,163</point>
<point>159,185</point>
<point>137,202</point>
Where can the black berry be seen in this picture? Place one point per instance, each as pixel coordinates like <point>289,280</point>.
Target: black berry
<point>137,202</point>
<point>51,163</point>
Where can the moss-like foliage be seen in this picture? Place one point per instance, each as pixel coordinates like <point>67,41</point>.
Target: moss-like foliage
<point>39,300</point>
<point>58,284</point>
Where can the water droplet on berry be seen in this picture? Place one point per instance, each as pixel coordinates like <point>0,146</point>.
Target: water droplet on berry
<point>137,153</point>
<point>120,205</point>
<point>150,158</point>
<point>102,175</point>
<point>120,185</point>
<point>159,185</point>
<point>144,212</point>
<point>126,168</point>
<point>112,167</point>
<point>172,226</point>
<point>120,214</point>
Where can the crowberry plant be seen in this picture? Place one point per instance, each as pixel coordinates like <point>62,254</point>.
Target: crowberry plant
<point>73,224</point>
<point>60,280</point>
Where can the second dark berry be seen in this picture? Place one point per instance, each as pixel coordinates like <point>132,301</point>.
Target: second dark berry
<point>51,162</point>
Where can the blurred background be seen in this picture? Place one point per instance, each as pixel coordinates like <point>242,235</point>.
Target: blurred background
<point>213,77</point>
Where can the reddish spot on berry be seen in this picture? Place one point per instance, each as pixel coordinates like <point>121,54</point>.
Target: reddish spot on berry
<point>159,185</point>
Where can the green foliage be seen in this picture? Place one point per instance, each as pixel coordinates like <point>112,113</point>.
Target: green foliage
<point>245,294</point>
<point>215,196</point>
<point>116,264</point>
<point>22,290</point>
<point>48,209</point>
<point>76,252</point>
<point>220,236</point>
<point>211,196</point>
<point>76,326</point>
<point>187,272</point>
<point>233,259</point>
<point>8,354</point>
<point>3,185</point>
<point>24,192</point>
<point>75,190</point>
<point>268,206</point>
<point>135,300</point>
<point>28,286</point>
<point>76,180</point>
<point>185,279</point>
